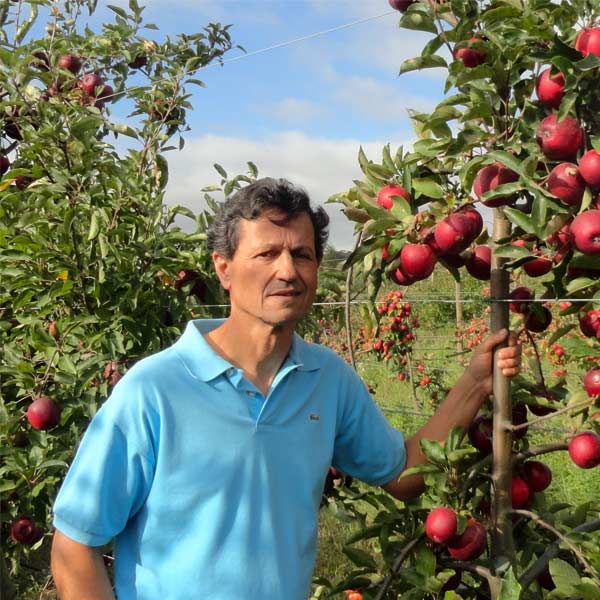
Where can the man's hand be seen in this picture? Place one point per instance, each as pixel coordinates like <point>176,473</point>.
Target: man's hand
<point>508,358</point>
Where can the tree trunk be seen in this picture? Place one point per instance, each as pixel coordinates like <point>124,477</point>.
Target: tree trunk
<point>503,549</point>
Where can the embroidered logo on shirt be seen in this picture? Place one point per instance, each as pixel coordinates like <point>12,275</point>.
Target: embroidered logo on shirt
<point>313,417</point>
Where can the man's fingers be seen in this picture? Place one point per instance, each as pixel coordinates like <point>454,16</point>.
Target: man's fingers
<point>493,339</point>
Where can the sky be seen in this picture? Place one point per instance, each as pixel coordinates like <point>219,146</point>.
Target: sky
<point>302,110</point>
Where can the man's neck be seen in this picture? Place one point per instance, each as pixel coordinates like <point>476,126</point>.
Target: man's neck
<point>259,349</point>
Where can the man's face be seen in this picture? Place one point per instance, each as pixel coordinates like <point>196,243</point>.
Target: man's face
<point>272,277</point>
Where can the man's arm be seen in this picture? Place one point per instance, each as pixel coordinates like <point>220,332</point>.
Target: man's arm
<point>78,570</point>
<point>460,406</point>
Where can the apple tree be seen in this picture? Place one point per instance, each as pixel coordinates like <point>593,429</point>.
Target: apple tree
<point>517,134</point>
<point>95,270</point>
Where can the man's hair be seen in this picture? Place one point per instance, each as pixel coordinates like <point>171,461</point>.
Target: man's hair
<point>253,201</point>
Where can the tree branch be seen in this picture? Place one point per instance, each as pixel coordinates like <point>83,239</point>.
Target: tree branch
<point>563,538</point>
<point>537,567</point>
<point>396,567</point>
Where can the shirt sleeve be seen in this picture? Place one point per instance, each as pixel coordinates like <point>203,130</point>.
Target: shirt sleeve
<point>111,474</point>
<point>366,445</point>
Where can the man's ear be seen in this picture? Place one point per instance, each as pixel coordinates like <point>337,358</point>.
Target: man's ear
<point>222,269</point>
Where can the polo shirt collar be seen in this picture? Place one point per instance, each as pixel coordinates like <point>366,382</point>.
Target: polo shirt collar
<point>205,364</point>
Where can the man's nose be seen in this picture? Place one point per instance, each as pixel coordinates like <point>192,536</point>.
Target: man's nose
<point>286,267</point>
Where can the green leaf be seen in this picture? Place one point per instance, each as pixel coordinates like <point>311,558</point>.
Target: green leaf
<point>220,170</point>
<point>581,283</point>
<point>82,128</point>
<point>124,130</point>
<point>418,20</point>
<point>360,557</point>
<point>425,562</point>
<point>560,332</point>
<point>422,62</point>
<point>94,226</point>
<point>433,451</point>
<point>508,160</point>
<point>118,10</point>
<point>518,217</point>
<point>428,187</point>
<point>564,576</point>
<point>510,589</point>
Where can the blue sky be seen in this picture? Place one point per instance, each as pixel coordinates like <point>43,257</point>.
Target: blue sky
<point>303,110</point>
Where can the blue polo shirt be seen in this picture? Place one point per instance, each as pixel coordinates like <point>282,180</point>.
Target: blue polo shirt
<point>210,489</point>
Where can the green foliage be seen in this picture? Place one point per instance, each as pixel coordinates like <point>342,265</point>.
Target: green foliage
<point>91,260</point>
<point>491,115</point>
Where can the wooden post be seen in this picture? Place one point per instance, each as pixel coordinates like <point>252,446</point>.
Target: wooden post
<point>503,549</point>
<point>459,316</point>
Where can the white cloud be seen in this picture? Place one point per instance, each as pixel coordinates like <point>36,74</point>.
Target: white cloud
<point>292,110</point>
<point>379,100</point>
<point>323,167</point>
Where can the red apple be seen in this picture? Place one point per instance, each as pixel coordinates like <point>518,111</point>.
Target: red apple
<point>400,278</point>
<point>537,475</point>
<point>479,264</point>
<point>453,233</point>
<point>585,230</point>
<point>520,492</point>
<point>519,417</point>
<point>43,413</point>
<point>470,543</point>
<point>24,531</point>
<point>589,323</point>
<point>441,524</point>
<point>559,140</point>
<point>550,88</point>
<point>401,5</point>
<point>566,183</point>
<point>589,168</point>
<point>386,195</point>
<point>52,330</point>
<point>588,41</point>
<point>417,261</point>
<point>70,63</point>
<point>538,322</point>
<point>4,164</point>
<point>476,220</point>
<point>538,266</point>
<point>545,579</point>
<point>385,252</point>
<point>480,434</point>
<point>90,82</point>
<point>22,182</point>
<point>584,449</point>
<point>489,178</point>
<point>522,295</point>
<point>471,57</point>
<point>591,382</point>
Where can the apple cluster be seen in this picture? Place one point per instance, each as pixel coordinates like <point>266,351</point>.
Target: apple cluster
<point>449,241</point>
<point>395,336</point>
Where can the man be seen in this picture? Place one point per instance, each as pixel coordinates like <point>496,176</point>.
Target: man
<point>206,465</point>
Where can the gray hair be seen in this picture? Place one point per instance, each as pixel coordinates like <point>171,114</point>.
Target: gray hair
<point>255,199</point>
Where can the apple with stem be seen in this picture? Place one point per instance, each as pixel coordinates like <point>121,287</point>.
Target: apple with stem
<point>566,183</point>
<point>559,140</point>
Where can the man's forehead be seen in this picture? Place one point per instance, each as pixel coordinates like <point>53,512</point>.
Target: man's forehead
<point>298,226</point>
